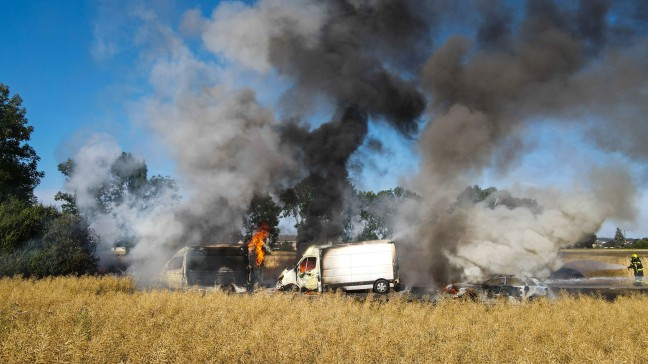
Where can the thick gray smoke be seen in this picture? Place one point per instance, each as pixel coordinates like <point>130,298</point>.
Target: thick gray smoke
<point>117,209</point>
<point>557,64</point>
<point>325,152</point>
<point>477,91</point>
<point>354,55</point>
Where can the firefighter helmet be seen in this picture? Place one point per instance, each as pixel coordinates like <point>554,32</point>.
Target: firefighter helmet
<point>635,256</point>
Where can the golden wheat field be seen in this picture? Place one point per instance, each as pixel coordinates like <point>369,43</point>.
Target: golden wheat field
<point>107,320</point>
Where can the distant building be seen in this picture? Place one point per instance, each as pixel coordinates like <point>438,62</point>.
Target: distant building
<point>286,243</point>
<point>119,250</point>
<point>605,242</point>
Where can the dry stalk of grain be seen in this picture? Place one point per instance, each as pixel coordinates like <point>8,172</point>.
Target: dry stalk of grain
<point>105,320</point>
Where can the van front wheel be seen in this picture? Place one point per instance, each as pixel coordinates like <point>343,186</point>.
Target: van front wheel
<point>291,288</point>
<point>381,286</point>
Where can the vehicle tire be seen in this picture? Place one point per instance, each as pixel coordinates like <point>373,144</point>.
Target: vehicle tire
<point>381,286</point>
<point>228,288</point>
<point>291,288</point>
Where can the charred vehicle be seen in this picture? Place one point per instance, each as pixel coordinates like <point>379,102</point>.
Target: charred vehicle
<point>222,266</point>
<point>520,288</point>
<point>502,286</point>
<point>353,266</point>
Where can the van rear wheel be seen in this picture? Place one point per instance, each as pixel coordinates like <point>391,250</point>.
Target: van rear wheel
<point>381,286</point>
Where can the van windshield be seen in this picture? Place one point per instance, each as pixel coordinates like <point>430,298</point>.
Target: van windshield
<point>175,263</point>
<point>307,264</point>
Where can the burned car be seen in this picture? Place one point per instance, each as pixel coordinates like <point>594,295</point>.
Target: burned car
<point>501,286</point>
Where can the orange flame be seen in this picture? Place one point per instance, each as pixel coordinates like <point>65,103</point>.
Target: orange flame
<point>450,289</point>
<point>257,241</point>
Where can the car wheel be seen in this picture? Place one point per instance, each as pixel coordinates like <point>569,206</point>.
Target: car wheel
<point>381,286</point>
<point>228,288</point>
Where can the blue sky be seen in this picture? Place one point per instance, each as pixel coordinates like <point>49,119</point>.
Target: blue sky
<point>49,57</point>
<point>46,61</point>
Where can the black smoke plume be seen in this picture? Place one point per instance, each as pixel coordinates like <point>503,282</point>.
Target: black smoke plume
<point>362,53</point>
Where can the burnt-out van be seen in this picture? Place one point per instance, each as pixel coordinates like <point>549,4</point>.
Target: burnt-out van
<point>223,266</point>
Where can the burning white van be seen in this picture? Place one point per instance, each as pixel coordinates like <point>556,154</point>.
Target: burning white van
<point>353,266</point>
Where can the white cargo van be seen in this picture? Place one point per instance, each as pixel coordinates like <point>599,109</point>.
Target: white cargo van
<point>352,266</point>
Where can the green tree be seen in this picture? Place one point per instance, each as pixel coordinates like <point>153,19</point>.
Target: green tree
<point>639,244</point>
<point>619,239</point>
<point>66,246</point>
<point>472,195</point>
<point>296,201</point>
<point>128,182</point>
<point>375,212</point>
<point>21,222</point>
<point>373,221</point>
<point>372,212</point>
<point>586,242</point>
<point>128,177</point>
<point>35,240</point>
<point>68,199</point>
<point>263,210</point>
<point>18,173</point>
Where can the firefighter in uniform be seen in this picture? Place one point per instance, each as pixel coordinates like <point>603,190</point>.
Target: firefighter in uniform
<point>635,264</point>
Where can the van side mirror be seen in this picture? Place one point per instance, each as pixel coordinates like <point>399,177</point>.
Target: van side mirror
<point>526,288</point>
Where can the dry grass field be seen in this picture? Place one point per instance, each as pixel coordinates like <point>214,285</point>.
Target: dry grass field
<point>107,320</point>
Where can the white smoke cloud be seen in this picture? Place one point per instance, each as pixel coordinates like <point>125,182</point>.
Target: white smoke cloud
<point>517,241</point>
<point>193,23</point>
<point>243,33</point>
<point>225,145</point>
<point>149,223</point>
<point>93,162</point>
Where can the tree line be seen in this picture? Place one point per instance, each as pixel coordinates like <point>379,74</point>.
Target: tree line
<point>35,240</point>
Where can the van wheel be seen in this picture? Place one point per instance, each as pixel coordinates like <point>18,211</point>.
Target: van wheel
<point>291,288</point>
<point>381,286</point>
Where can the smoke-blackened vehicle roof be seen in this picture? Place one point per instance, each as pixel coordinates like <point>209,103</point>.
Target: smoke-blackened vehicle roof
<point>221,249</point>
